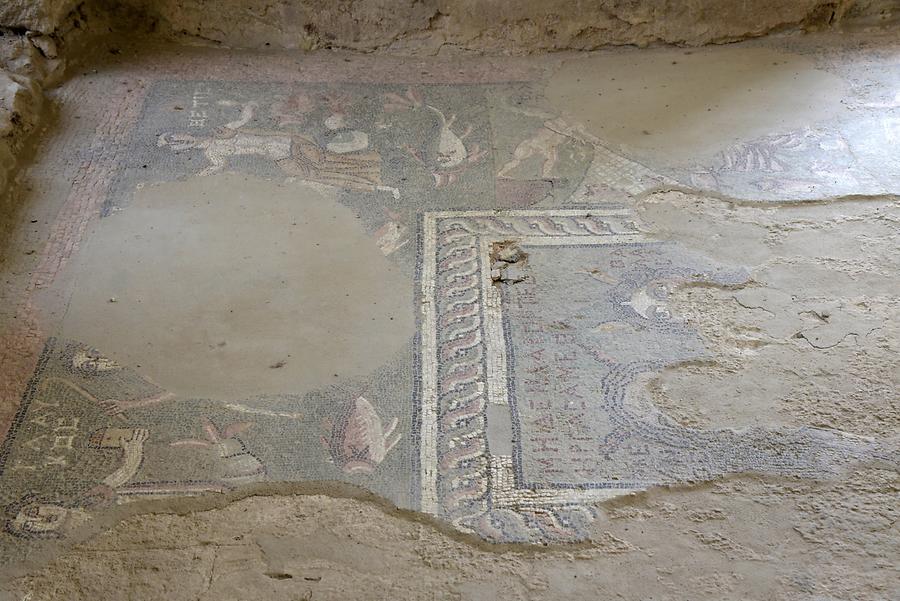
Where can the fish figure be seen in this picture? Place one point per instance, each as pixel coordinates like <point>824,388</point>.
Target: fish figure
<point>647,305</point>
<point>358,442</point>
<point>452,157</point>
<point>91,362</point>
<point>451,148</point>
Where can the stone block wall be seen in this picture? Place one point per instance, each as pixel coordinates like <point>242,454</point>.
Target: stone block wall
<point>509,26</point>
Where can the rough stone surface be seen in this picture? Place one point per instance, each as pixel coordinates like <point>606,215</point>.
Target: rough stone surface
<point>497,25</point>
<point>31,48</point>
<point>43,16</point>
<point>20,100</point>
<point>739,538</point>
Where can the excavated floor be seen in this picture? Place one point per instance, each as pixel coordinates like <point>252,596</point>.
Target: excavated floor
<point>641,301</point>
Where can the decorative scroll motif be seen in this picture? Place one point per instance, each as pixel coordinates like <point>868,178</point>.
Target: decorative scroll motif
<point>464,369</point>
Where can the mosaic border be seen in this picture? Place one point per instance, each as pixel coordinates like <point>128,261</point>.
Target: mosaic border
<point>464,365</point>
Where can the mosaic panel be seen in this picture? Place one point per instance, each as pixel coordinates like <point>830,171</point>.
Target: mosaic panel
<point>541,312</point>
<point>539,332</point>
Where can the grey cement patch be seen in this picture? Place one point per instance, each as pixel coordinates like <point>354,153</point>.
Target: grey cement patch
<point>266,287</point>
<point>681,108</point>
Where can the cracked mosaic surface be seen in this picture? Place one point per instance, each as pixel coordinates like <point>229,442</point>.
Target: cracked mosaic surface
<point>533,403</point>
<point>539,303</point>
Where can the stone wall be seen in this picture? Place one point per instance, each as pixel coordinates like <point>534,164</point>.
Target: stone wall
<point>509,26</point>
<point>21,98</point>
<point>32,39</point>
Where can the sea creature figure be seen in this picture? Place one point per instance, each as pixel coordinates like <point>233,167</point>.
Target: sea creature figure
<point>396,103</point>
<point>544,144</point>
<point>451,149</point>
<point>239,464</point>
<point>357,441</point>
<point>452,156</point>
<point>647,303</point>
<point>90,362</point>
<point>293,109</point>
<point>777,153</point>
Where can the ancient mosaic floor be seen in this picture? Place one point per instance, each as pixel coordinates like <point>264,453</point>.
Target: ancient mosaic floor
<point>427,279</point>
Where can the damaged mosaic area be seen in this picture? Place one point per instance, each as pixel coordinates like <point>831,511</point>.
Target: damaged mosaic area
<point>500,384</point>
<point>540,331</point>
